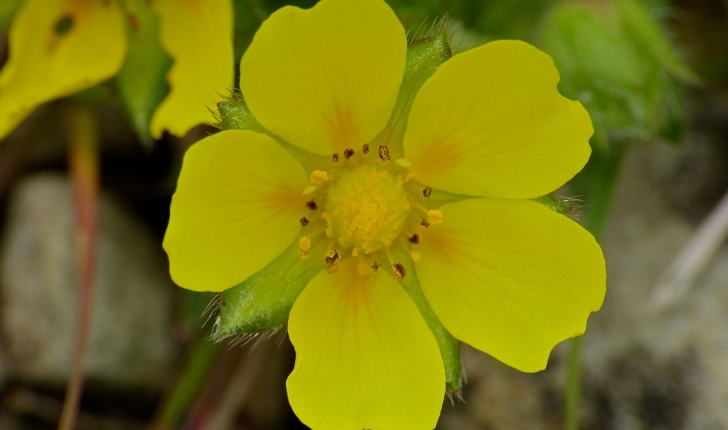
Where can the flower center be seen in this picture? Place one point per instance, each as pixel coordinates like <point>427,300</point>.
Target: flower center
<point>367,208</point>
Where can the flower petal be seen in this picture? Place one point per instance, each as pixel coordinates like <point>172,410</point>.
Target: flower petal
<point>237,206</point>
<point>365,357</point>
<point>490,122</point>
<point>325,79</point>
<point>511,277</point>
<point>198,35</point>
<point>58,48</point>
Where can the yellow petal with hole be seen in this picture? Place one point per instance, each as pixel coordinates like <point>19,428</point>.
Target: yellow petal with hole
<point>198,35</point>
<point>326,79</point>
<point>237,207</point>
<point>511,277</point>
<point>58,48</point>
<point>365,358</point>
<point>491,122</point>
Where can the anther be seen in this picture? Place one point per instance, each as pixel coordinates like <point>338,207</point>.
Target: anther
<point>424,223</point>
<point>304,222</point>
<point>318,176</point>
<point>332,256</point>
<point>415,256</point>
<point>398,271</point>
<point>348,153</point>
<point>384,153</point>
<point>332,268</point>
<point>403,162</point>
<point>435,216</point>
<point>427,191</point>
<point>365,148</point>
<point>376,265</point>
<point>415,239</point>
<point>312,205</point>
<point>309,189</point>
<point>335,157</point>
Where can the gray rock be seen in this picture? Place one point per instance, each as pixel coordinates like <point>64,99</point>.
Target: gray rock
<point>130,343</point>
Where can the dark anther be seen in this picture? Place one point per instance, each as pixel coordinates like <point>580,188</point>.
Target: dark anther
<point>134,22</point>
<point>64,25</point>
<point>427,191</point>
<point>376,265</point>
<point>348,153</point>
<point>332,256</point>
<point>384,153</point>
<point>415,239</point>
<point>312,205</point>
<point>425,223</point>
<point>365,148</point>
<point>304,222</point>
<point>335,158</point>
<point>398,271</point>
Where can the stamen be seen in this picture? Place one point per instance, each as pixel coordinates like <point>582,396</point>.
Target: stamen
<point>398,271</point>
<point>411,175</point>
<point>332,268</point>
<point>415,239</point>
<point>435,216</point>
<point>304,245</point>
<point>424,223</point>
<point>319,176</point>
<point>312,205</point>
<point>304,221</point>
<point>403,162</point>
<point>427,191</point>
<point>384,153</point>
<point>365,148</point>
<point>376,265</point>
<point>348,153</point>
<point>332,256</point>
<point>415,256</point>
<point>335,157</point>
<point>310,189</point>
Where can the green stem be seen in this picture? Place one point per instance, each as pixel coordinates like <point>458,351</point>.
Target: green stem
<point>596,184</point>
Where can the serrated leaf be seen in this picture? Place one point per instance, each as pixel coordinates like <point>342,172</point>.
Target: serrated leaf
<point>141,81</point>
<point>449,346</point>
<point>264,300</point>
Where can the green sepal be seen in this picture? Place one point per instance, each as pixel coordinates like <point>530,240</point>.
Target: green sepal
<point>8,9</point>
<point>141,82</point>
<point>235,115</point>
<point>264,300</point>
<point>449,346</point>
<point>423,58</point>
<point>553,203</point>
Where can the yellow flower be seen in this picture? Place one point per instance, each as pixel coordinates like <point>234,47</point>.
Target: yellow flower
<point>440,208</point>
<point>60,47</point>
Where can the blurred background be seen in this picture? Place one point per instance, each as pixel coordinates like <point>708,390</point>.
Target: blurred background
<point>652,73</point>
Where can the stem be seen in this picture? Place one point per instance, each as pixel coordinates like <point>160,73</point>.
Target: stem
<point>596,183</point>
<point>188,384</point>
<point>84,167</point>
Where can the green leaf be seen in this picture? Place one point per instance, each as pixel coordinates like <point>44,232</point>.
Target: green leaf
<point>449,346</point>
<point>423,58</point>
<point>264,300</point>
<point>141,81</point>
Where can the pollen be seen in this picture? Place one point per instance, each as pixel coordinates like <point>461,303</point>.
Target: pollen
<point>367,208</point>
<point>304,245</point>
<point>318,176</point>
<point>434,216</point>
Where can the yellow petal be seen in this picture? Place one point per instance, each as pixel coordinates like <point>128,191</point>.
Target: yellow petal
<point>198,35</point>
<point>511,277</point>
<point>490,122</point>
<point>237,206</point>
<point>365,358</point>
<point>58,48</point>
<point>326,79</point>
